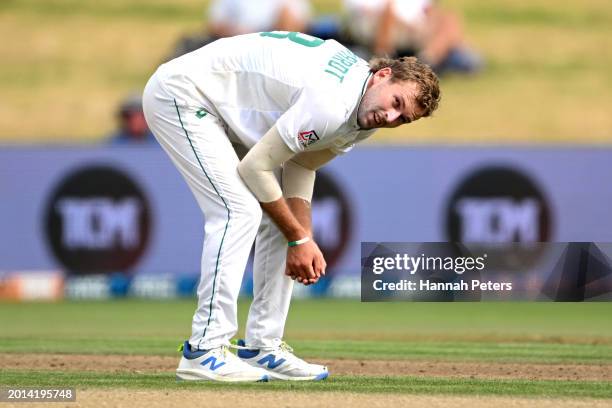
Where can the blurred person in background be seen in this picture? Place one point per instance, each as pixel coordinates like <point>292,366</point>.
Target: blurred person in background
<point>411,27</point>
<point>133,127</point>
<point>228,18</point>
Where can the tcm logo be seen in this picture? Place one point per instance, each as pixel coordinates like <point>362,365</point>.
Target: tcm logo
<point>499,220</point>
<point>98,220</point>
<point>99,223</point>
<point>498,205</point>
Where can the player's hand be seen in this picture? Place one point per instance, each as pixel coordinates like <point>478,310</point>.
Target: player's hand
<point>305,263</point>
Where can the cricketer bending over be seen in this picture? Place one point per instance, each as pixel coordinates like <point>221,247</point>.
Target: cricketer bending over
<point>295,102</point>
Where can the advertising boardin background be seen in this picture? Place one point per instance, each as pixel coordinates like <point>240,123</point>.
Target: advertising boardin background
<point>91,211</point>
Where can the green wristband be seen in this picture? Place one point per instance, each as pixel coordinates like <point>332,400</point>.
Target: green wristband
<point>298,242</point>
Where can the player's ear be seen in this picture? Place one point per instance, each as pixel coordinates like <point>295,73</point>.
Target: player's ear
<point>382,73</point>
<point>385,72</point>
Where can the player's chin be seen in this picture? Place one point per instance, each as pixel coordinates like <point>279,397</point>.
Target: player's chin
<point>364,124</point>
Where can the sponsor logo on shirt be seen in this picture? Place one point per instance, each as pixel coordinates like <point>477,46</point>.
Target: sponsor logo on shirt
<point>307,138</point>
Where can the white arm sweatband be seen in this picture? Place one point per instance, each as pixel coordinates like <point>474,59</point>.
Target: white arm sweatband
<point>299,173</point>
<point>257,167</point>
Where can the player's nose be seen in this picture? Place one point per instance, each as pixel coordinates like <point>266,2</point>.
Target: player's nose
<point>392,115</point>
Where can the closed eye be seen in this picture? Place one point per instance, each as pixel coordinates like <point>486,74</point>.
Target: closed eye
<point>398,105</point>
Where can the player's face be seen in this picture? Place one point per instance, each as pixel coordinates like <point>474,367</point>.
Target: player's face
<point>387,103</point>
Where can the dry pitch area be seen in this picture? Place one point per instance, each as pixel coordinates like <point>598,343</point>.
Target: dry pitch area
<point>423,368</point>
<point>266,398</point>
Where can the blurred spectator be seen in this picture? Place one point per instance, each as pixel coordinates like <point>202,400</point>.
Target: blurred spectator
<point>227,18</point>
<point>411,27</point>
<point>232,17</point>
<point>133,127</point>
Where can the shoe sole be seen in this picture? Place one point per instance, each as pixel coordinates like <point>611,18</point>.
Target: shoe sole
<point>274,376</point>
<point>199,375</point>
<point>281,377</point>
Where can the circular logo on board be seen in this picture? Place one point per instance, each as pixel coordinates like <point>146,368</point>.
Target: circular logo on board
<point>97,220</point>
<point>331,218</point>
<point>499,205</point>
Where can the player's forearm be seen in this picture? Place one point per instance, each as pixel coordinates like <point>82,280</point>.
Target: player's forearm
<point>298,183</point>
<point>299,174</point>
<point>284,218</point>
<point>302,212</point>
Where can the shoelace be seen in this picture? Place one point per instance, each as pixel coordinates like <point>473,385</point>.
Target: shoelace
<point>225,352</point>
<point>285,347</point>
<point>288,350</point>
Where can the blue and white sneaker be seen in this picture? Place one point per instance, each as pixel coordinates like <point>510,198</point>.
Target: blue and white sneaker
<point>217,364</point>
<point>281,364</point>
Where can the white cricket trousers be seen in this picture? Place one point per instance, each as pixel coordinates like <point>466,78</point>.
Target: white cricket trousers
<point>199,147</point>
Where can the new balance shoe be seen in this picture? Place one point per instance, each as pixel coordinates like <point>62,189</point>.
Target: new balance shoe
<point>281,363</point>
<point>217,364</point>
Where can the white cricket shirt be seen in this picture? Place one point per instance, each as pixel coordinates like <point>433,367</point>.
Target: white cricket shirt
<point>308,87</point>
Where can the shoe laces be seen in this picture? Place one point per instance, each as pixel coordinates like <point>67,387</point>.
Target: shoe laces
<point>223,351</point>
<point>285,347</point>
<point>287,352</point>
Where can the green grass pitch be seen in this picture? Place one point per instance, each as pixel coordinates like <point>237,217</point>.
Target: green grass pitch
<point>547,333</point>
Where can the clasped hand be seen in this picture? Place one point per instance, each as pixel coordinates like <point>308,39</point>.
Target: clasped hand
<point>305,263</point>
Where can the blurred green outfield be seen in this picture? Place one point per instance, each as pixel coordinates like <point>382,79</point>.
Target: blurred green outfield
<point>548,77</point>
<point>536,332</point>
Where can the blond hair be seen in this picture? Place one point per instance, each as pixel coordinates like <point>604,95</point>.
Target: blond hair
<point>411,69</point>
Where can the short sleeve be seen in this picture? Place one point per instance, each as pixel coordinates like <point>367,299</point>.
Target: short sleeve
<point>309,122</point>
<point>221,11</point>
<point>342,147</point>
<point>411,11</point>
